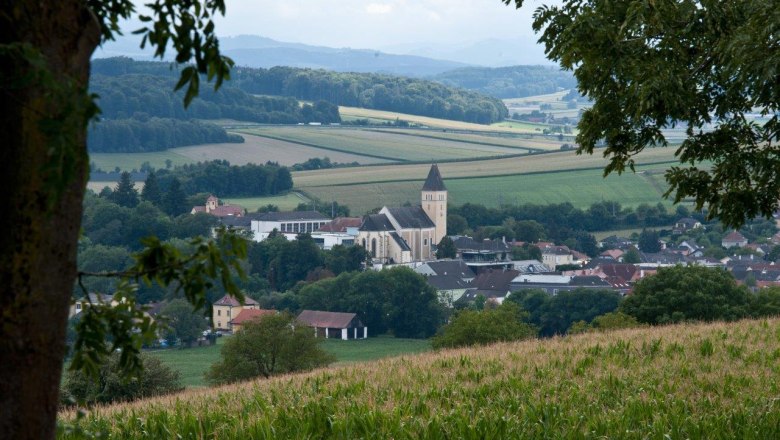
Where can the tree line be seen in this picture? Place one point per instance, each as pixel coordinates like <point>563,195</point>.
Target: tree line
<point>143,133</point>
<point>368,90</point>
<point>221,178</point>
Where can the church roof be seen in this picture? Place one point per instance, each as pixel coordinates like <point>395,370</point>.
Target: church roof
<point>376,222</point>
<point>434,182</point>
<point>411,217</point>
<point>401,242</point>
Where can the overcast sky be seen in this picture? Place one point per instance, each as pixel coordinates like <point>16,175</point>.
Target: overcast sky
<point>377,24</point>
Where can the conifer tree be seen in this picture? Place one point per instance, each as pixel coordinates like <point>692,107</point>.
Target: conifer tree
<point>175,202</point>
<point>125,193</point>
<point>151,192</point>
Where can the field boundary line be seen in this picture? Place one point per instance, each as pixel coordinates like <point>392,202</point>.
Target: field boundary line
<point>528,173</point>
<point>307,144</point>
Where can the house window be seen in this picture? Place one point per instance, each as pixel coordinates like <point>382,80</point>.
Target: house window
<point>309,227</point>
<point>228,313</point>
<point>219,324</point>
<point>219,312</point>
<point>78,306</point>
<point>425,242</point>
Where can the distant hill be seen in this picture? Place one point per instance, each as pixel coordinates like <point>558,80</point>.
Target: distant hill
<point>494,52</point>
<point>256,51</point>
<point>509,82</point>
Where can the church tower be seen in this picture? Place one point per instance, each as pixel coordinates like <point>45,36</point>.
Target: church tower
<point>434,202</point>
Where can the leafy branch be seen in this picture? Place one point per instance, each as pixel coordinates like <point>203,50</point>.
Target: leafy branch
<point>123,325</point>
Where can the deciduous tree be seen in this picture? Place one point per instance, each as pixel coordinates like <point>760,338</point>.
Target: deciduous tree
<point>45,51</point>
<point>271,345</point>
<point>649,66</point>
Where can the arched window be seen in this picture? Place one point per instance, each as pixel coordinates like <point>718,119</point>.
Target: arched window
<point>373,247</point>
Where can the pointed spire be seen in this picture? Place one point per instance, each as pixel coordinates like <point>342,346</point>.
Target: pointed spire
<point>434,182</point>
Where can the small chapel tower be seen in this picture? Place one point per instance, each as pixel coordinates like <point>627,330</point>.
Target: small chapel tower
<point>434,202</point>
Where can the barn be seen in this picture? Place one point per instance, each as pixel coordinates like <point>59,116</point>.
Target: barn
<point>334,324</point>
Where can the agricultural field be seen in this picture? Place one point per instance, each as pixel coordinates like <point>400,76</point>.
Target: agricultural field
<point>558,161</point>
<point>581,188</point>
<point>527,142</point>
<point>383,144</point>
<point>379,116</point>
<point>133,161</point>
<point>256,149</point>
<point>285,202</point>
<point>193,363</point>
<point>713,381</point>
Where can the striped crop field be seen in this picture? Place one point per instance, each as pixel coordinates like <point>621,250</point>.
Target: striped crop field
<point>713,381</point>
<point>558,161</point>
<point>352,113</point>
<point>257,149</point>
<point>383,144</point>
<point>581,188</point>
<point>528,142</point>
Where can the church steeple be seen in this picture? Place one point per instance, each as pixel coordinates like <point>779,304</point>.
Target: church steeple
<point>434,182</point>
<point>434,202</point>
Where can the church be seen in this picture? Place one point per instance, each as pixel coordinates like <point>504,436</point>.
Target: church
<point>407,234</point>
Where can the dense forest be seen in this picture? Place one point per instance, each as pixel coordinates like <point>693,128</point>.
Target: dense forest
<point>509,82</point>
<point>368,90</point>
<point>142,133</point>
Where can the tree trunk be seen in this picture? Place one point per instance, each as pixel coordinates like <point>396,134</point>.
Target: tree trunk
<point>45,48</point>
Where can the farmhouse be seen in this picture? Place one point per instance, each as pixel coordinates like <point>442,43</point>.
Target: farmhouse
<point>406,234</point>
<point>94,298</point>
<point>247,315</point>
<point>214,208</point>
<point>227,308</point>
<point>334,324</point>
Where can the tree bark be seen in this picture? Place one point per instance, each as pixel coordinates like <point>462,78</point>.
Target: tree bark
<point>43,172</point>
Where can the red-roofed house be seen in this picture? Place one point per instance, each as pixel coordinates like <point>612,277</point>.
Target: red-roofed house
<point>248,315</point>
<point>226,308</point>
<point>734,239</point>
<point>334,324</point>
<point>214,208</point>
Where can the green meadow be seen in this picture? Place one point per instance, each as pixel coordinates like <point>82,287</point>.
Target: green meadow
<point>192,363</point>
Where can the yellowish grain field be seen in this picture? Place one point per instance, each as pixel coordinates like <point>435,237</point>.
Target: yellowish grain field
<point>713,381</point>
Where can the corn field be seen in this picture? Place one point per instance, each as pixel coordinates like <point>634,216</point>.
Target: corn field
<point>713,381</point>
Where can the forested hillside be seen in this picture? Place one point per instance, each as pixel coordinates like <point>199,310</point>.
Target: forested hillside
<point>509,82</point>
<point>141,112</point>
<point>374,91</point>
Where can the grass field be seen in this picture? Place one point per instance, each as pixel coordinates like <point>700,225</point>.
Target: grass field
<point>131,161</point>
<point>286,202</point>
<point>193,363</point>
<point>713,381</point>
<point>383,144</point>
<point>578,187</point>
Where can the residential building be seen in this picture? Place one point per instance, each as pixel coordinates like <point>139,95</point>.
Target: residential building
<point>247,315</point>
<point>685,224</point>
<point>227,308</point>
<point>734,239</point>
<point>93,298</point>
<point>554,256</point>
<point>456,268</point>
<point>341,231</point>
